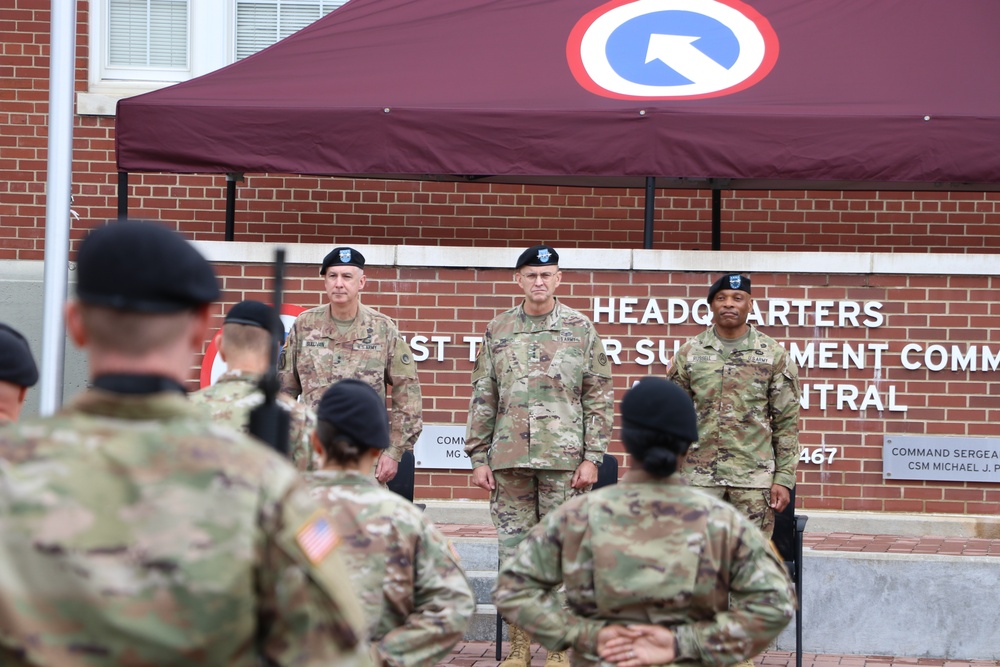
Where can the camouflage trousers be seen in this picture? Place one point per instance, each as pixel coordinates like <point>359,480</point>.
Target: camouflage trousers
<point>522,497</point>
<point>754,504</point>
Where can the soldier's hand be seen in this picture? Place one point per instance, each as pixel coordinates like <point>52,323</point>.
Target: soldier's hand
<point>636,645</point>
<point>385,469</point>
<point>482,477</point>
<point>585,475</point>
<point>780,497</point>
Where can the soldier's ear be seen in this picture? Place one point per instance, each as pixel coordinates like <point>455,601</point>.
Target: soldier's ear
<point>74,323</point>
<point>318,448</point>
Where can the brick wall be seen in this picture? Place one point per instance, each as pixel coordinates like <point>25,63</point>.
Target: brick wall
<point>294,209</point>
<point>922,310</point>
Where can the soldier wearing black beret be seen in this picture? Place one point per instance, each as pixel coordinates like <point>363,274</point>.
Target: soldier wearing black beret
<point>414,592</point>
<point>210,533</point>
<point>745,387</point>
<point>540,417</point>
<point>346,339</point>
<point>246,347</point>
<point>18,372</point>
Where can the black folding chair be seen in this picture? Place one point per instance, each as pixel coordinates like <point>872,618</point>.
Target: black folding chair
<point>607,473</point>
<point>787,537</point>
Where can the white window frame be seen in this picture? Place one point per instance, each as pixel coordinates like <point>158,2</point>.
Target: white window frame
<point>210,46</point>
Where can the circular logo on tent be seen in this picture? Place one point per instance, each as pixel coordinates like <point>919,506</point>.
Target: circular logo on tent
<point>213,366</point>
<point>671,49</point>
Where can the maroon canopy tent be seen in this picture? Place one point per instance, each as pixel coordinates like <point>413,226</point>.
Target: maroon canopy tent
<point>873,94</point>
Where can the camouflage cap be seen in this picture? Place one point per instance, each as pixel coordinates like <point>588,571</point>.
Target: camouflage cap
<point>357,411</point>
<point>657,404</point>
<point>17,366</point>
<point>538,255</point>
<point>732,281</point>
<point>144,267</point>
<point>252,313</point>
<point>342,256</point>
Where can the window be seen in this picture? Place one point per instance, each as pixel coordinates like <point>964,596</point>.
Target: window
<point>148,34</point>
<point>140,45</point>
<point>260,23</point>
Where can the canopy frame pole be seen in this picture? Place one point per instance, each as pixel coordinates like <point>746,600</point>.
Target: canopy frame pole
<point>231,179</point>
<point>650,211</point>
<point>122,195</point>
<point>716,218</point>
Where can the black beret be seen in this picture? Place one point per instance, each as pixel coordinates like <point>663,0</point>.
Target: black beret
<point>659,405</point>
<point>357,411</point>
<point>342,256</point>
<point>142,266</point>
<point>253,313</point>
<point>17,366</point>
<point>729,281</point>
<point>538,255</point>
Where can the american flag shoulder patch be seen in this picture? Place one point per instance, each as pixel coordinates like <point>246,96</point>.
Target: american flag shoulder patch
<point>317,538</point>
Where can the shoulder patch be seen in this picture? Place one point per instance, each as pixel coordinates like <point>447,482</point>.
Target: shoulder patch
<point>317,538</point>
<point>454,551</point>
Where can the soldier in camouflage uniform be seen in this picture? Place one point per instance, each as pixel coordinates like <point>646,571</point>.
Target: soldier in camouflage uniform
<point>415,594</point>
<point>541,412</point>
<point>18,373</point>
<point>655,571</point>
<point>134,530</point>
<point>746,392</point>
<point>246,346</point>
<point>347,339</point>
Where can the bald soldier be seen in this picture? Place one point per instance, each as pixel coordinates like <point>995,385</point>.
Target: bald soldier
<point>246,346</point>
<point>134,530</point>
<point>18,373</point>
<point>540,417</point>
<point>347,339</point>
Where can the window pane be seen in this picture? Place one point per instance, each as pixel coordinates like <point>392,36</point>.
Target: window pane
<point>261,23</point>
<point>296,16</point>
<point>148,33</point>
<point>256,27</point>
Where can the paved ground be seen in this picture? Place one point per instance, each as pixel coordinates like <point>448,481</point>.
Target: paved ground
<point>483,654</point>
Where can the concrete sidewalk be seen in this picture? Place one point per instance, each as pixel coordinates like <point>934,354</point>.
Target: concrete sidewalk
<point>483,654</point>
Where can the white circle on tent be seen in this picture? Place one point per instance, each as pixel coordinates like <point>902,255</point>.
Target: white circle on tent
<point>212,366</point>
<point>672,48</point>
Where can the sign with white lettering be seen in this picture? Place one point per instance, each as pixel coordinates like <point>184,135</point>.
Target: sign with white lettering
<point>949,459</point>
<point>441,446</point>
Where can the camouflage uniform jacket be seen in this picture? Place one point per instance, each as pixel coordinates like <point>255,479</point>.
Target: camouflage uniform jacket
<point>748,411</point>
<point>542,395</point>
<point>414,593</point>
<point>236,393</point>
<point>316,355</point>
<point>648,551</point>
<point>135,531</point>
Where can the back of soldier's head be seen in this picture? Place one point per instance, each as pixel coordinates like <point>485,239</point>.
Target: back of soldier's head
<point>351,419</point>
<point>248,332</point>
<point>136,280</point>
<point>658,424</point>
<point>17,365</point>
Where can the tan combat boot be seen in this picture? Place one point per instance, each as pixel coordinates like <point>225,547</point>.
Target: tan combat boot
<point>556,659</point>
<point>520,648</point>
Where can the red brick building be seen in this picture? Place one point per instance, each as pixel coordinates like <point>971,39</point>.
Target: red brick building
<point>887,298</point>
